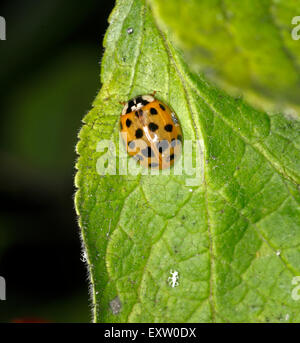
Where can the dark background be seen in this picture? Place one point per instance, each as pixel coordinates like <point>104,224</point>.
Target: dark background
<point>49,76</point>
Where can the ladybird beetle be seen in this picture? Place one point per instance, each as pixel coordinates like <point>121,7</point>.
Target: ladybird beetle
<point>151,132</point>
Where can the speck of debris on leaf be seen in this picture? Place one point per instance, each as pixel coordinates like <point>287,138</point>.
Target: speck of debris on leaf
<point>115,305</point>
<point>130,30</point>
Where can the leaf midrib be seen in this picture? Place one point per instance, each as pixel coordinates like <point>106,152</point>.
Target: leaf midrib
<point>198,135</point>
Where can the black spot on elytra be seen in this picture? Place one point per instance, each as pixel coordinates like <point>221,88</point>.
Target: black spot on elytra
<point>136,114</point>
<point>153,111</point>
<point>153,127</point>
<point>169,127</point>
<point>139,133</point>
<point>131,144</point>
<point>162,107</point>
<point>162,145</point>
<point>147,152</point>
<point>128,122</point>
<point>153,164</point>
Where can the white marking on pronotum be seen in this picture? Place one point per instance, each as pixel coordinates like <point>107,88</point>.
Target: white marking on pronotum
<point>148,98</point>
<point>136,107</point>
<point>173,279</point>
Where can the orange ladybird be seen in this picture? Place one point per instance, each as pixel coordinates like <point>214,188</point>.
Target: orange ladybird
<point>151,132</point>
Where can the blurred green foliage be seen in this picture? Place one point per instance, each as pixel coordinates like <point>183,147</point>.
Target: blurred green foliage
<point>44,113</point>
<point>244,46</point>
<point>49,76</point>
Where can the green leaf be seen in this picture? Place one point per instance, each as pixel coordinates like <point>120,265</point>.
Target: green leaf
<point>233,236</point>
<point>245,46</point>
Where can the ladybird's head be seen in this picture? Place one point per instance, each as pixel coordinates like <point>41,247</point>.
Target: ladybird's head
<point>137,103</point>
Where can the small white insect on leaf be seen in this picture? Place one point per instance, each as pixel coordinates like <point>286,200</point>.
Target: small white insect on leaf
<point>173,279</point>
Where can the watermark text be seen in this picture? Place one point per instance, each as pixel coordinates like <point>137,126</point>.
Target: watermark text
<point>296,29</point>
<point>2,28</point>
<point>2,289</point>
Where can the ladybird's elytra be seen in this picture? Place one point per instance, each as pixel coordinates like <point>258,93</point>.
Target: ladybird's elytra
<point>151,132</point>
